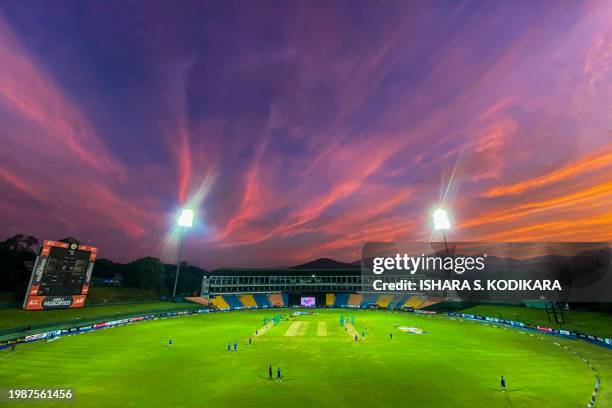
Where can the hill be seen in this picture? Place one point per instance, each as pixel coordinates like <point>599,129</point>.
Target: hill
<point>324,263</point>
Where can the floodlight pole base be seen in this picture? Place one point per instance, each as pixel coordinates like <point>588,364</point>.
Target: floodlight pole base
<point>178,264</point>
<point>446,244</point>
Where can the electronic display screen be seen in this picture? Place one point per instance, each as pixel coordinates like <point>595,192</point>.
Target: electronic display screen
<point>60,278</point>
<point>307,301</point>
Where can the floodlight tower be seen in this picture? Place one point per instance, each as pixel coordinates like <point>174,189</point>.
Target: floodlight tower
<point>442,223</point>
<point>185,220</point>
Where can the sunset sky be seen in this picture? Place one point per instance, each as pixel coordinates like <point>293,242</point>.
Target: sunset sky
<point>300,130</point>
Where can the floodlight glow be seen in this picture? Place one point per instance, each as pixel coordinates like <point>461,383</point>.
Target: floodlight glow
<point>186,218</point>
<point>440,219</point>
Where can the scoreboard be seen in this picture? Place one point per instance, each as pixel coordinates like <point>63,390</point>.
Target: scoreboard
<point>61,274</point>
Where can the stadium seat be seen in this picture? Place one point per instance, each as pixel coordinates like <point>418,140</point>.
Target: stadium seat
<point>414,302</point>
<point>247,300</point>
<point>276,299</point>
<point>233,301</point>
<point>397,301</point>
<point>219,302</point>
<point>369,298</point>
<point>341,300</point>
<point>427,303</point>
<point>199,299</point>
<point>262,300</point>
<point>354,300</point>
<point>431,301</point>
<point>329,299</point>
<point>384,300</point>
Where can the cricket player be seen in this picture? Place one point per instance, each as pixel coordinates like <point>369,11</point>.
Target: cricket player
<point>503,384</point>
<point>235,346</point>
<point>170,342</point>
<point>391,335</point>
<point>270,372</point>
<point>229,347</point>
<point>278,374</point>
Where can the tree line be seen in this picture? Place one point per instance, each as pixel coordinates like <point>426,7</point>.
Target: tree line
<point>18,253</point>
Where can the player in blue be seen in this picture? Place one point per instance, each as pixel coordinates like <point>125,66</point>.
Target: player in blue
<point>170,342</point>
<point>503,384</point>
<point>235,346</point>
<point>356,337</point>
<point>391,335</point>
<point>278,374</point>
<point>229,347</point>
<point>362,334</point>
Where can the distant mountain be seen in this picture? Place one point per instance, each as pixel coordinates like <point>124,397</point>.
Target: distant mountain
<point>324,263</point>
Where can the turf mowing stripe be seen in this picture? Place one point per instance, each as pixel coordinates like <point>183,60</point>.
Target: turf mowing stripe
<point>351,330</point>
<point>262,330</point>
<point>302,329</point>
<point>12,353</point>
<point>585,361</point>
<point>293,329</point>
<point>322,329</point>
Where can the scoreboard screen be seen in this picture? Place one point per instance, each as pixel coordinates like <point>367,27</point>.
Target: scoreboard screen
<point>307,302</point>
<point>60,278</point>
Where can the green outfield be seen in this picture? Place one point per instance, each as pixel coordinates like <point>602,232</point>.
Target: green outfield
<point>455,363</point>
<point>599,324</point>
<point>18,318</point>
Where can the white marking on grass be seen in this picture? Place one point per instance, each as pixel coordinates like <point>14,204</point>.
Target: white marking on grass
<point>293,329</point>
<point>322,329</point>
<point>12,353</point>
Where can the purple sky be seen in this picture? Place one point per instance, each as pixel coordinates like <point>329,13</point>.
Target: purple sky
<point>303,129</point>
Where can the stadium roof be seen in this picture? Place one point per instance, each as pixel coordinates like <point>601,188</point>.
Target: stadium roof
<point>284,272</point>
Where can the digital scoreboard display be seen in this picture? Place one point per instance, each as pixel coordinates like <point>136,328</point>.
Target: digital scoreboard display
<point>307,301</point>
<point>60,278</point>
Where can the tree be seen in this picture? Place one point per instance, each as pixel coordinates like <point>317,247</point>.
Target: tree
<point>147,273</point>
<point>107,269</point>
<point>190,278</point>
<point>16,260</point>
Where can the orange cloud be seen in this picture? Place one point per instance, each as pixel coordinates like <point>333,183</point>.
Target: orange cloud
<point>589,163</point>
<point>29,91</point>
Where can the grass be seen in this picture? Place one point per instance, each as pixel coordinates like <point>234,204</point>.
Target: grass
<point>17,318</point>
<point>599,324</point>
<point>104,294</point>
<point>457,363</point>
<point>6,297</point>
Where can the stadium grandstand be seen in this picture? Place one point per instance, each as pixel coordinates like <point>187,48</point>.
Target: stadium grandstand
<point>263,288</point>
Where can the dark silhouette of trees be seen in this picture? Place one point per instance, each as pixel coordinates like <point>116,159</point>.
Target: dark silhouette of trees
<point>18,253</point>
<point>16,261</point>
